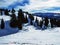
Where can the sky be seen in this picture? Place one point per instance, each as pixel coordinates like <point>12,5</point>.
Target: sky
<point>32,6</point>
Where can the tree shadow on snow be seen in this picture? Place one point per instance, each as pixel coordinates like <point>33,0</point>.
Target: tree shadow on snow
<point>8,30</point>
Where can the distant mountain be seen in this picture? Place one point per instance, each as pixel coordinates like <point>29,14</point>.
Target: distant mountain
<point>49,15</point>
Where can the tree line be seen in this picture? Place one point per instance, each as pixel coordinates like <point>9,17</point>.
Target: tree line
<point>18,21</point>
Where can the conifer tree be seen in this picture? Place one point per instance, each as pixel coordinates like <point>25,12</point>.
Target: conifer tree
<point>58,23</point>
<point>20,19</point>
<point>13,11</point>
<point>41,23</point>
<point>25,19</point>
<point>36,22</point>
<point>46,21</point>
<point>51,22</point>
<point>6,12</point>
<point>13,21</point>
<point>2,24</point>
<point>31,19</point>
<point>1,11</point>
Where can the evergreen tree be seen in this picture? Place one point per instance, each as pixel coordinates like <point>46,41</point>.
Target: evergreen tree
<point>51,22</point>
<point>58,23</point>
<point>20,19</point>
<point>1,11</point>
<point>6,12</point>
<point>41,23</point>
<point>36,23</point>
<point>13,11</point>
<point>21,15</point>
<point>46,21</point>
<point>27,13</point>
<point>2,24</point>
<point>13,21</point>
<point>54,22</point>
<point>25,19</point>
<point>31,19</point>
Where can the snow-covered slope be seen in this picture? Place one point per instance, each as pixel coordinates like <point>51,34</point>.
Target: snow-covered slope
<point>7,29</point>
<point>30,35</point>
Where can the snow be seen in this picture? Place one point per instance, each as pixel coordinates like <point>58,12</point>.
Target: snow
<point>6,18</point>
<point>30,35</point>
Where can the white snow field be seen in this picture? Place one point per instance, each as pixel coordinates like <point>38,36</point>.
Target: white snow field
<point>30,35</point>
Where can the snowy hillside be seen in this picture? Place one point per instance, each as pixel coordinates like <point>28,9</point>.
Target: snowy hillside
<point>29,35</point>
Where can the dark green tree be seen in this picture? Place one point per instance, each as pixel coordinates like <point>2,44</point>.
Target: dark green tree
<point>41,23</point>
<point>46,21</point>
<point>25,19</point>
<point>13,21</point>
<point>20,19</point>
<point>37,21</point>
<point>6,12</point>
<point>12,11</point>
<point>52,22</point>
<point>58,23</point>
<point>31,18</point>
<point>2,24</point>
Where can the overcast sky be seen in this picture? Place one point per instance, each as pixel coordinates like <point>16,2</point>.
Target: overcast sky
<point>32,5</point>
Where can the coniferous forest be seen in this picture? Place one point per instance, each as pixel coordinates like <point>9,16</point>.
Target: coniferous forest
<point>18,20</point>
